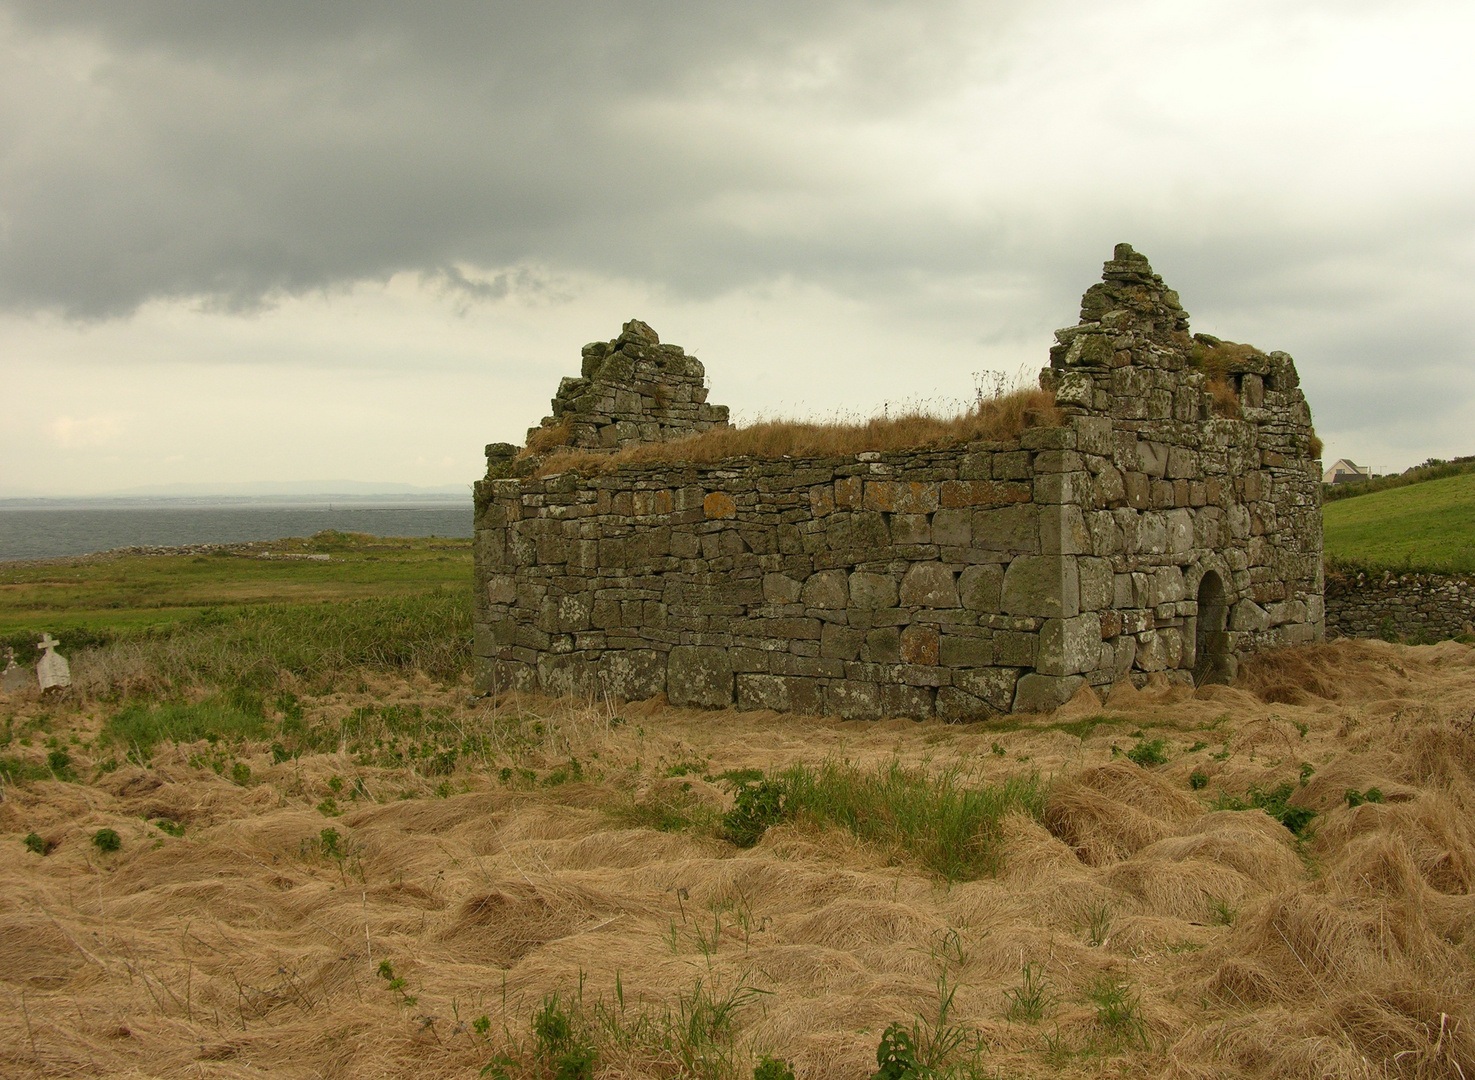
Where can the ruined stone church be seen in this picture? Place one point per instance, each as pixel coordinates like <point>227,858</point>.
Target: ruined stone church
<point>1165,522</point>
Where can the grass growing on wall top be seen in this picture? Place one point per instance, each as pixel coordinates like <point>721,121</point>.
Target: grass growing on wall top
<point>1428,526</point>
<point>1000,418</point>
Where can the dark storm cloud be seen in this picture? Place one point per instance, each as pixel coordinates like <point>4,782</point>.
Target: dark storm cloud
<point>228,150</point>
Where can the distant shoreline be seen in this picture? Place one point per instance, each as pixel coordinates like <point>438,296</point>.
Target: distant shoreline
<point>245,547</point>
<point>390,501</point>
<point>57,530</point>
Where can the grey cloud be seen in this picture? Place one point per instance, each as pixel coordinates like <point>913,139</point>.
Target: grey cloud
<point>234,151</point>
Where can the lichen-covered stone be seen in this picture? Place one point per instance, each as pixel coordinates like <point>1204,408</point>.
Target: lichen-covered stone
<point>871,592</point>
<point>980,588</point>
<point>1042,693</point>
<point>826,589</point>
<point>1042,585</point>
<point>699,675</point>
<point>929,584</point>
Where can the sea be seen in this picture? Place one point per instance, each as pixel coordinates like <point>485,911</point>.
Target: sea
<point>48,529</point>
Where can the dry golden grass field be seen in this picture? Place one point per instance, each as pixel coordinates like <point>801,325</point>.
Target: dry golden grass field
<point>390,879</point>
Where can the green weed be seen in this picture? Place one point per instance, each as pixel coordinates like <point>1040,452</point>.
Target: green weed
<point>674,812</point>
<point>395,984</point>
<point>758,806</point>
<point>1274,802</point>
<point>164,825</point>
<point>33,843</point>
<point>693,1032</point>
<point>59,764</point>
<point>1118,1011</point>
<point>1098,924</point>
<point>897,1056</point>
<point>773,1069</point>
<point>1357,798</point>
<point>1028,1002</point>
<point>107,840</point>
<point>1148,753</point>
<point>572,772</point>
<point>1198,780</point>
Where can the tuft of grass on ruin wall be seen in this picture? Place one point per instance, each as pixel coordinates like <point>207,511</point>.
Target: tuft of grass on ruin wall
<point>1427,527</point>
<point>1000,418</point>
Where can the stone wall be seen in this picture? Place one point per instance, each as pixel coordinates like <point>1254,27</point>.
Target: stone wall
<point>632,390</point>
<point>956,582</point>
<point>1415,607</point>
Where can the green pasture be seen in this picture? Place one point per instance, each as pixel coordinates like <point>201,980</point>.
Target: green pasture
<point>234,617</point>
<point>1424,526</point>
<point>139,591</point>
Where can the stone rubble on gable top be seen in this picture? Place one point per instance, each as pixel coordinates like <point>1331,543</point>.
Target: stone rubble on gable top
<point>633,390</point>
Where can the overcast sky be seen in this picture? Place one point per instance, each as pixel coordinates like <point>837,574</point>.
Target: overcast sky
<point>300,242</point>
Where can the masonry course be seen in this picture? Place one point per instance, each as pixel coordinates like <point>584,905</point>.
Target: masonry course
<point>958,581</point>
<point>1410,606</point>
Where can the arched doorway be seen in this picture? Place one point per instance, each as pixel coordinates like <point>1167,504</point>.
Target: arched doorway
<point>1213,662</point>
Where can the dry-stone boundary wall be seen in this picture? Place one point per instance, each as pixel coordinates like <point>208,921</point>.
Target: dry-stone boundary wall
<point>1146,533</point>
<point>1416,607</point>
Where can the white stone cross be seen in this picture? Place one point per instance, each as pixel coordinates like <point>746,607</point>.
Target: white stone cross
<point>52,669</point>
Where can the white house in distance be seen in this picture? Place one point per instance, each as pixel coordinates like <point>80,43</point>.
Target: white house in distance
<point>1345,472</point>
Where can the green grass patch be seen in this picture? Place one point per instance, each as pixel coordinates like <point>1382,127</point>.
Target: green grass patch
<point>692,1033</point>
<point>943,822</point>
<point>14,770</point>
<point>1427,526</point>
<point>1118,1011</point>
<point>139,728</point>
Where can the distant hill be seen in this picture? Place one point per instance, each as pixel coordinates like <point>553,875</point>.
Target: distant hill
<point>1427,524</point>
<point>1433,469</point>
